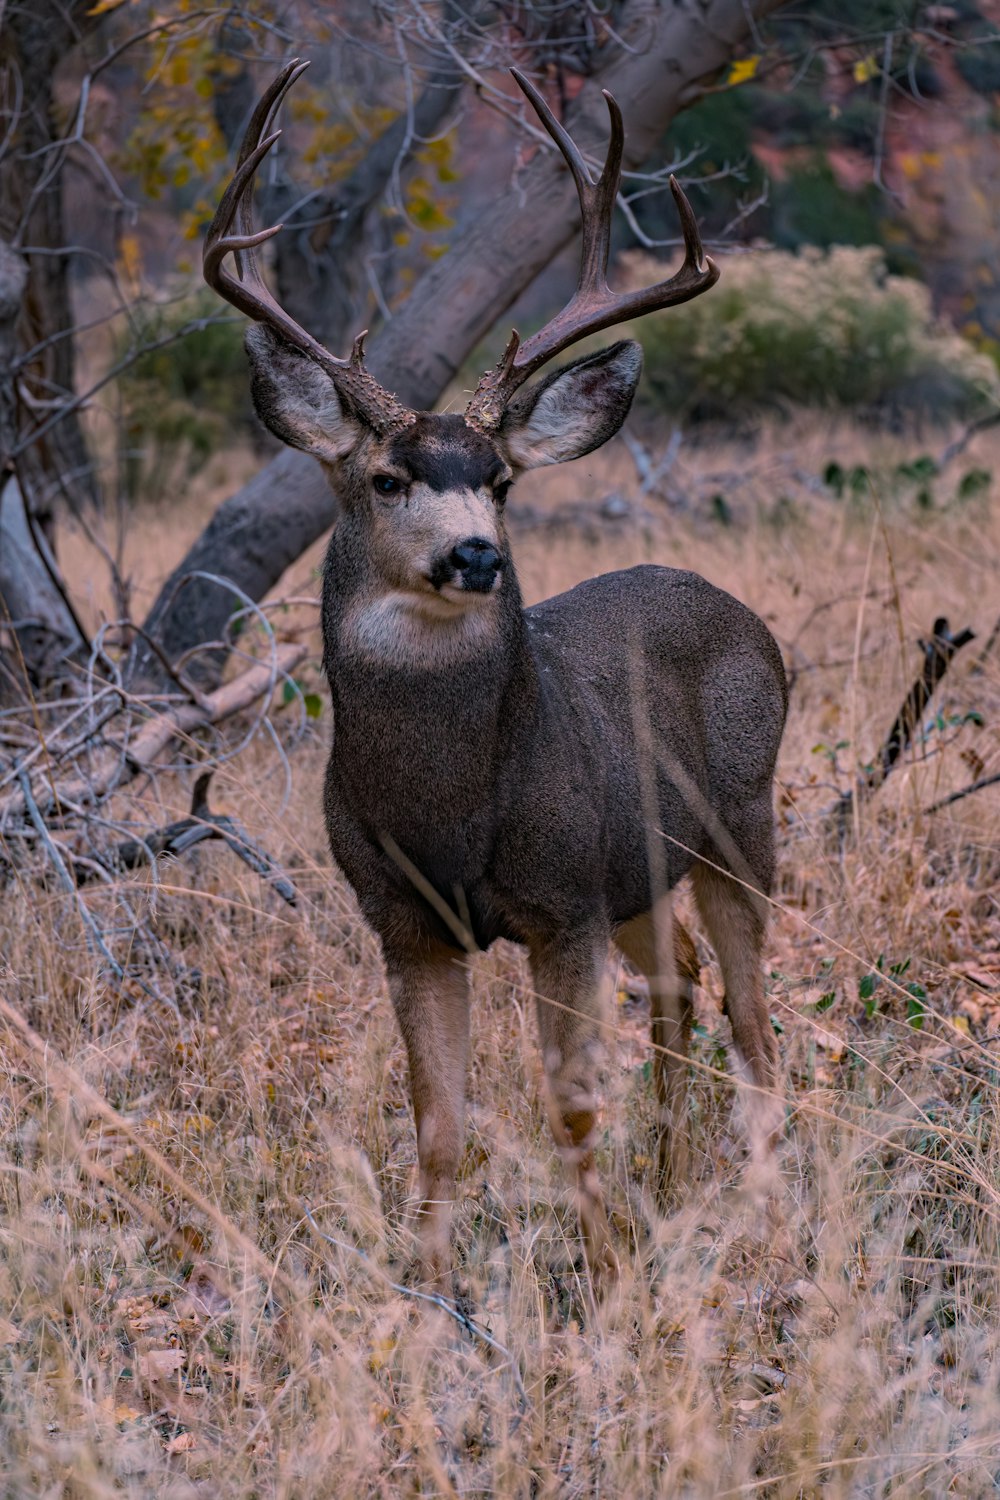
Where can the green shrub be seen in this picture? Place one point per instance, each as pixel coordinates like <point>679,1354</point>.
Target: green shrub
<point>980,66</point>
<point>186,396</point>
<point>817,329</point>
<point>811,208</point>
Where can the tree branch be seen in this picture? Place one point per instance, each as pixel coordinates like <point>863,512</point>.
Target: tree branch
<point>260,530</point>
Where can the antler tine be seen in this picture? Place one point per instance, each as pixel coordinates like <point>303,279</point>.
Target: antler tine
<point>606,193</point>
<point>237,201</point>
<point>557,131</point>
<point>248,291</point>
<point>596,200</point>
<point>694,255</point>
<point>593,305</point>
<point>266,108</point>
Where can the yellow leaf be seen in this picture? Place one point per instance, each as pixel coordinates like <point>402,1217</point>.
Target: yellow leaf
<point>961,1023</point>
<point>865,69</point>
<point>130,253</point>
<point>103,6</point>
<point>743,69</point>
<point>381,1353</point>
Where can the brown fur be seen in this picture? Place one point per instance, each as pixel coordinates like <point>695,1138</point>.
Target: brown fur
<point>544,775</point>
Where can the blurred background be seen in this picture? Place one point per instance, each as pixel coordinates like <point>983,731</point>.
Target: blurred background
<point>842,160</point>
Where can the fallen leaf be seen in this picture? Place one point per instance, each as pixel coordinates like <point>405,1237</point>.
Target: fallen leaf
<point>160,1364</point>
<point>987,978</point>
<point>118,1411</point>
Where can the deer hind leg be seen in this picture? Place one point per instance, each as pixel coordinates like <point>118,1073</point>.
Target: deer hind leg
<point>430,995</point>
<point>570,977</point>
<point>735,919</point>
<point>660,947</point>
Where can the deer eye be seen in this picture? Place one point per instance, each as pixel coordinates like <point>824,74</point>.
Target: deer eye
<point>500,491</point>
<point>387,484</point>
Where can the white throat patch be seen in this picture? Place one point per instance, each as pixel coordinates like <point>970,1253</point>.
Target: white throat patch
<point>418,629</point>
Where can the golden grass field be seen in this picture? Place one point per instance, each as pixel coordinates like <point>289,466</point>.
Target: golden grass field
<point>204,1214</point>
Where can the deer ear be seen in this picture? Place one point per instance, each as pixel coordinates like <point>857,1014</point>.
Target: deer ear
<point>574,410</point>
<point>297,400</point>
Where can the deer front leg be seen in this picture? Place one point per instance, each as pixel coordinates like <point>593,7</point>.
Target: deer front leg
<point>430,995</point>
<point>570,975</point>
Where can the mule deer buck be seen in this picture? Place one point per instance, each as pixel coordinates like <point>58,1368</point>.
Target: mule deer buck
<point>544,775</point>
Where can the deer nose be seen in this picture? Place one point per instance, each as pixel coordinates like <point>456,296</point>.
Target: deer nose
<point>478,562</point>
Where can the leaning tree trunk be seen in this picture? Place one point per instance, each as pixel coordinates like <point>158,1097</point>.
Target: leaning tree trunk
<point>259,531</point>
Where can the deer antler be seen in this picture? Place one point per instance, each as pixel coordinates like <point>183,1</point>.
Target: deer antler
<point>248,291</point>
<point>593,305</point>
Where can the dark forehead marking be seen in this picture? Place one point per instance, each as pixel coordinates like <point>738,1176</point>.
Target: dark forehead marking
<point>441,451</point>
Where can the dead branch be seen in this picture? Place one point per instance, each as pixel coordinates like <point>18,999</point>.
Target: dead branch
<point>113,765</point>
<point>965,791</point>
<point>992,641</point>
<point>960,443</point>
<point>939,652</point>
<point>95,938</point>
<point>202,824</point>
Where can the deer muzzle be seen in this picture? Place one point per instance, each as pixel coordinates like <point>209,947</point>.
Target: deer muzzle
<point>473,565</point>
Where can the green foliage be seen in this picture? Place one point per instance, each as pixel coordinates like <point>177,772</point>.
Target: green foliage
<point>916,995</point>
<point>186,397</point>
<point>811,329</point>
<point>294,691</point>
<point>974,482</point>
<point>916,479</point>
<point>853,481</point>
<point>811,208</point>
<point>867,985</point>
<point>980,66</point>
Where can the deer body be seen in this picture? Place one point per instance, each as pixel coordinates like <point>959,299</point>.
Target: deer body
<point>544,775</point>
<point>513,779</point>
<point>550,774</point>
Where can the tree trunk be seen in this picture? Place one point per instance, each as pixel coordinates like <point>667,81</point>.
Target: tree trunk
<point>265,526</point>
<point>33,613</point>
<point>36,36</point>
<point>320,266</point>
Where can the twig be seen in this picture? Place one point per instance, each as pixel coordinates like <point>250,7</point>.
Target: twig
<point>992,641</point>
<point>203,824</point>
<point>958,445</point>
<point>140,754</point>
<point>966,791</point>
<point>939,652</point>
<point>94,934</point>
<point>446,1304</point>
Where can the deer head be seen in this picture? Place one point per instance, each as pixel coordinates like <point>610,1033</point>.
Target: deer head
<point>430,489</point>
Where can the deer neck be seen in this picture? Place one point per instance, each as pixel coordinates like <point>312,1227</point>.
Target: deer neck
<point>426,710</point>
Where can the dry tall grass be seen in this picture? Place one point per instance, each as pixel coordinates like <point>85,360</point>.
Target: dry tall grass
<point>203,1213</point>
